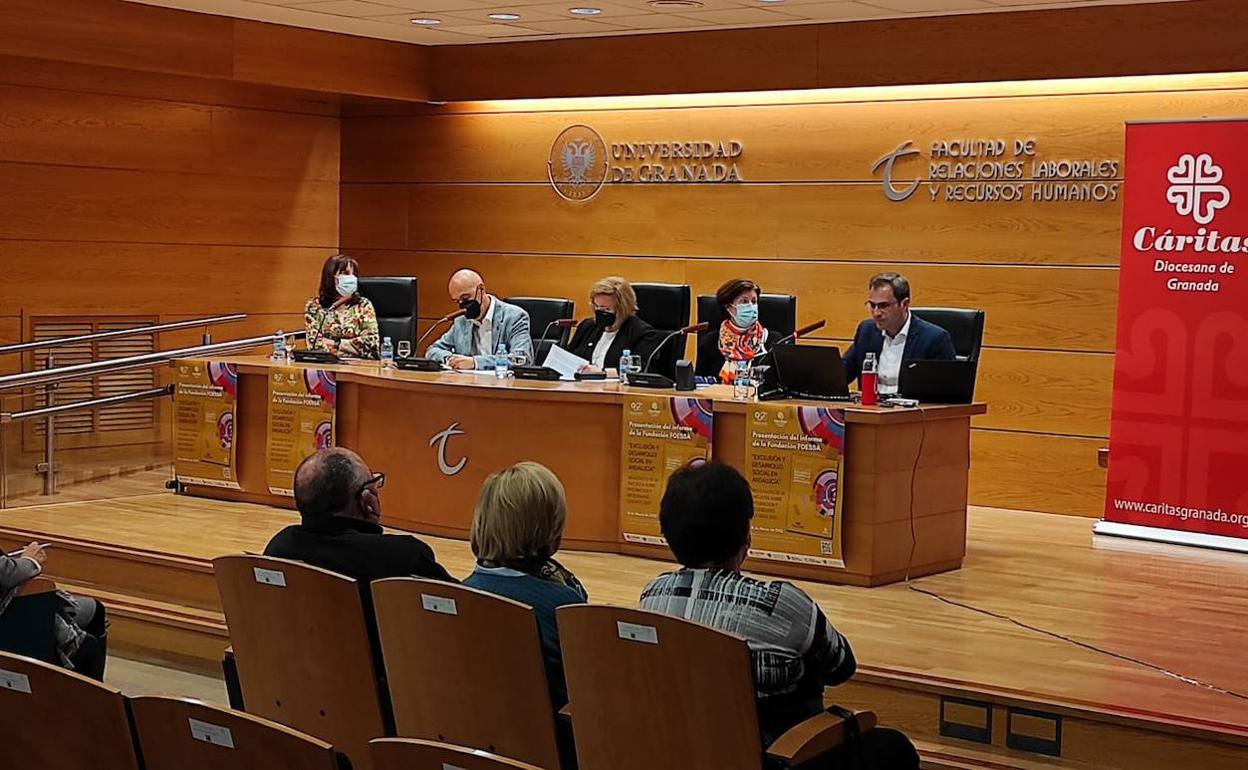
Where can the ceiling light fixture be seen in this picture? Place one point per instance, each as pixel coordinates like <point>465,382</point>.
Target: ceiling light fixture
<point>673,5</point>
<point>505,16</point>
<point>584,11</point>
<point>770,2</point>
<point>423,22</point>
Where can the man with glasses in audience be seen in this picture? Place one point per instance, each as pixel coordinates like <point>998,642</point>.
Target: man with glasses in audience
<point>893,334</point>
<point>338,498</point>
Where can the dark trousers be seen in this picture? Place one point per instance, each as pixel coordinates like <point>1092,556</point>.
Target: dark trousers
<point>879,749</point>
<point>92,654</point>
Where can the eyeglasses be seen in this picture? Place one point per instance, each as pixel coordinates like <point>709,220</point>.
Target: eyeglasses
<point>879,305</point>
<point>376,482</point>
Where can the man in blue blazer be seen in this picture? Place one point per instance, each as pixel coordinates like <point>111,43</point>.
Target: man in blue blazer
<point>489,329</point>
<point>893,334</point>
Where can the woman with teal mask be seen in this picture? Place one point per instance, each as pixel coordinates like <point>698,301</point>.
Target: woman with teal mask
<point>739,337</point>
<point>338,319</point>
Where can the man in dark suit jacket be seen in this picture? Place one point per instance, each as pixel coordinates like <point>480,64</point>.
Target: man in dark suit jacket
<point>337,497</point>
<point>893,334</point>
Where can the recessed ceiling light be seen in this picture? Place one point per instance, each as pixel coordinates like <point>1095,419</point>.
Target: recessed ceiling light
<point>672,5</point>
<point>771,2</point>
<point>584,11</point>
<point>505,16</point>
<point>426,22</point>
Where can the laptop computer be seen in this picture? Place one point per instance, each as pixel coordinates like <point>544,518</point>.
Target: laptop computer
<point>805,371</point>
<point>938,382</point>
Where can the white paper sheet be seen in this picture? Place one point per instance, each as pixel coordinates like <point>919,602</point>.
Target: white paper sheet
<point>563,362</point>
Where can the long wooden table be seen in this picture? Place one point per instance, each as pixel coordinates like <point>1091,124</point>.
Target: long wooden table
<point>904,505</point>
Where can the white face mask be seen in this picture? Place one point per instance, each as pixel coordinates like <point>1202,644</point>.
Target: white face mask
<point>346,284</point>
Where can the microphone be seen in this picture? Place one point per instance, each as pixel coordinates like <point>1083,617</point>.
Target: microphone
<point>690,329</point>
<point>562,323</point>
<point>439,322</point>
<point>802,332</point>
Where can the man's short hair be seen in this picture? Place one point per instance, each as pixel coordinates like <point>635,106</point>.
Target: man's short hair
<point>705,513</point>
<point>327,487</point>
<point>895,281</point>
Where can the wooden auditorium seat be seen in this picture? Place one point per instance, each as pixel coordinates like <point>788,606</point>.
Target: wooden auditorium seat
<point>302,649</point>
<point>654,691</point>
<point>176,734</point>
<point>54,719</point>
<point>27,625</point>
<point>415,754</point>
<point>466,667</point>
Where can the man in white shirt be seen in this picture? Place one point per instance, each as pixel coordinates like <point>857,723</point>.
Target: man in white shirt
<point>893,334</point>
<point>488,330</point>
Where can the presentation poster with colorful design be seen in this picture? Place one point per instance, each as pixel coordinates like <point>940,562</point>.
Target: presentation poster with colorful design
<point>661,434</point>
<point>301,421</point>
<point>204,401</point>
<point>1178,435</point>
<point>794,461</point>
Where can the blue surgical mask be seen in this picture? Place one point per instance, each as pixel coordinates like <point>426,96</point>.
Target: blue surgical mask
<point>745,314</point>
<point>347,284</point>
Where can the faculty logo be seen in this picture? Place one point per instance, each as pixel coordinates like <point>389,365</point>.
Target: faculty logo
<point>578,165</point>
<point>1194,188</point>
<point>891,191</point>
<point>440,439</point>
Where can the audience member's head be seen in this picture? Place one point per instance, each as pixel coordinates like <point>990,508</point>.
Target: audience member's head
<point>337,482</point>
<point>705,515</point>
<point>519,517</point>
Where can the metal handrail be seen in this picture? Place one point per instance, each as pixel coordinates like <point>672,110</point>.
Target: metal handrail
<point>96,368</point>
<point>46,411</point>
<point>22,347</point>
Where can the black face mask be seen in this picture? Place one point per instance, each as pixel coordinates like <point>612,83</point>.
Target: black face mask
<point>604,318</point>
<point>471,308</point>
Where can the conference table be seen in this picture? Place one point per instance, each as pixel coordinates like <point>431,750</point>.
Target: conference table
<point>437,435</point>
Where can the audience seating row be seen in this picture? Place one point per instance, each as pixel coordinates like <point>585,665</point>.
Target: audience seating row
<point>462,666</point>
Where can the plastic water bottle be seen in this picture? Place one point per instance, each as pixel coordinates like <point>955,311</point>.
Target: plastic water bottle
<point>279,347</point>
<point>626,363</point>
<point>500,367</point>
<point>869,380</point>
<point>741,381</point>
<point>387,353</point>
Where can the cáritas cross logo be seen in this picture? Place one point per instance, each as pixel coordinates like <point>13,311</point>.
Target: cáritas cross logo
<point>1195,188</point>
<point>578,165</point>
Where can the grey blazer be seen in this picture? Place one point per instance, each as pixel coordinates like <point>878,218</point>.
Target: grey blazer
<point>14,572</point>
<point>510,332</point>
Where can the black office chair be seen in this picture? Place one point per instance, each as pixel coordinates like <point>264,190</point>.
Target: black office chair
<point>542,312</point>
<point>777,312</point>
<point>665,306</point>
<point>965,326</point>
<point>394,299</point>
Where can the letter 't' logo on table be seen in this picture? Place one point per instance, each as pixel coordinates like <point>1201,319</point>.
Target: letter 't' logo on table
<point>440,439</point>
<point>1194,188</point>
<point>578,163</point>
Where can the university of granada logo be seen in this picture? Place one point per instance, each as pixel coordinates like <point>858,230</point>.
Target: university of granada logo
<point>578,165</point>
<point>440,439</point>
<point>1194,188</point>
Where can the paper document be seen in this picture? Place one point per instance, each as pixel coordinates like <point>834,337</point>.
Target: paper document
<point>567,364</point>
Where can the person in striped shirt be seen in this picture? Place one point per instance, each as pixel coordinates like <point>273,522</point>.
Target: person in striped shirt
<point>795,651</point>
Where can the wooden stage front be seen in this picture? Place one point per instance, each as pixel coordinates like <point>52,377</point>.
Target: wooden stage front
<point>1144,640</point>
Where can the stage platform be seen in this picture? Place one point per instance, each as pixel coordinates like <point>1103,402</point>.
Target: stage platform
<point>1114,653</point>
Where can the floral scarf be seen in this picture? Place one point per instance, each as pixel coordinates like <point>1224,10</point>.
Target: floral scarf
<point>737,344</point>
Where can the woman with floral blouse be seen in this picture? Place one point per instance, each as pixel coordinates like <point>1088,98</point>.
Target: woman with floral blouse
<point>338,319</point>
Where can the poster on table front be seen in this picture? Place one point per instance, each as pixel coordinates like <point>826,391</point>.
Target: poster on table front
<point>301,421</point>
<point>794,461</point>
<point>661,434</point>
<point>1179,421</point>
<point>204,408</point>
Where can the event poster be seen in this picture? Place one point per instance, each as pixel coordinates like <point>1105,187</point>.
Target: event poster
<point>661,434</point>
<point>1179,424</point>
<point>301,421</point>
<point>794,460</point>
<point>204,407</point>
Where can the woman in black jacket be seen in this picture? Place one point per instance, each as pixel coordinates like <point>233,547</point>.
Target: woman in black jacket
<point>614,327</point>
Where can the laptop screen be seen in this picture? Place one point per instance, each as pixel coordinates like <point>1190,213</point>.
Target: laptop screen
<point>810,371</point>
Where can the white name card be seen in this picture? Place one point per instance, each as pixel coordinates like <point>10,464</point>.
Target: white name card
<point>439,604</point>
<point>636,633</point>
<point>11,680</point>
<point>209,733</point>
<point>270,577</point>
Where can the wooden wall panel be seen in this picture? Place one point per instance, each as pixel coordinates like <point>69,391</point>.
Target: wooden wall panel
<point>1036,472</point>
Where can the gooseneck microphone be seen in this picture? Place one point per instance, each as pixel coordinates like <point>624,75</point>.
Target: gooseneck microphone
<point>562,323</point>
<point>439,322</point>
<point>802,332</point>
<point>690,329</point>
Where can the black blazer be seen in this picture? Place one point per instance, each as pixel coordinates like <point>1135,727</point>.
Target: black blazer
<point>635,335</point>
<point>924,342</point>
<point>710,360</point>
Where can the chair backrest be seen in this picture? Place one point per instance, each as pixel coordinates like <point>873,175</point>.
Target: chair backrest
<point>413,754</point>
<point>177,734</point>
<point>654,691</point>
<point>302,649</point>
<point>665,306</point>
<point>542,311</point>
<point>53,719</point>
<point>394,299</point>
<point>965,326</point>
<point>27,625</point>
<point>466,667</point>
